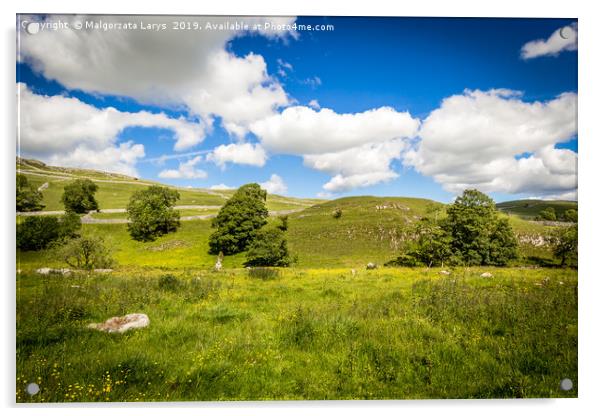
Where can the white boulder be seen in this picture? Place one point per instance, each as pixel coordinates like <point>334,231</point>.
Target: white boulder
<point>486,274</point>
<point>122,324</point>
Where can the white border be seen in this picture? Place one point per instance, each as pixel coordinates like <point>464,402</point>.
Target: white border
<point>590,136</point>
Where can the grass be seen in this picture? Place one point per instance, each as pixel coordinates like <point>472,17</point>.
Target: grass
<point>530,208</point>
<point>306,334</point>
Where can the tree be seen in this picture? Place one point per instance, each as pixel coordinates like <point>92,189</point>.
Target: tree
<point>548,214</point>
<point>88,252</point>
<point>478,235</point>
<point>79,196</point>
<point>570,215</point>
<point>564,243</point>
<point>269,248</point>
<point>239,220</point>
<point>38,232</point>
<point>28,198</point>
<point>151,213</point>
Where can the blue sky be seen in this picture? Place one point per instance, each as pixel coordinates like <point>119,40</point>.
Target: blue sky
<point>409,64</point>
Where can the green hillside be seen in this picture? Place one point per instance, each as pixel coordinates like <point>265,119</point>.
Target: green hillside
<point>114,190</point>
<point>530,208</point>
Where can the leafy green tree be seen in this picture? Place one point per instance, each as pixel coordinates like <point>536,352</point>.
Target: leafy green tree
<point>28,198</point>
<point>570,215</point>
<point>478,235</point>
<point>548,214</point>
<point>79,196</point>
<point>239,220</point>
<point>38,232</point>
<point>151,213</point>
<point>564,243</point>
<point>269,248</point>
<point>87,252</point>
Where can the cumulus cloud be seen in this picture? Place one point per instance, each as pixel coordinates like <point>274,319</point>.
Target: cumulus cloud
<point>563,39</point>
<point>58,128</point>
<point>494,141</point>
<point>240,153</point>
<point>186,170</point>
<point>314,104</point>
<point>220,187</point>
<point>177,68</point>
<point>274,185</point>
<point>302,130</point>
<point>358,167</point>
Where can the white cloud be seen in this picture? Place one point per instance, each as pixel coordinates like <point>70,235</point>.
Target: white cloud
<point>186,170</point>
<point>283,67</point>
<point>314,104</point>
<point>358,167</point>
<point>496,142</point>
<point>563,39</point>
<point>58,128</point>
<point>302,130</point>
<point>274,185</point>
<point>240,153</point>
<point>177,68</point>
<point>220,187</point>
<point>312,82</point>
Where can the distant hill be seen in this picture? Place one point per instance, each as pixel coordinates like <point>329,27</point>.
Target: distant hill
<point>114,190</point>
<point>530,208</point>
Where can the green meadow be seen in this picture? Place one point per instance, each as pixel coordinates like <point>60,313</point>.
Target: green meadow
<point>326,328</point>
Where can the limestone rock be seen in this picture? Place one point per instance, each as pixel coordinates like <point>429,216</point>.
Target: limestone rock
<point>486,274</point>
<point>121,324</point>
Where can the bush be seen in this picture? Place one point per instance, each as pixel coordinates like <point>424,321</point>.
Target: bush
<point>89,252</point>
<point>548,214</point>
<point>169,282</point>
<point>79,196</point>
<point>151,213</point>
<point>337,213</point>
<point>570,215</point>
<point>28,198</point>
<point>239,220</point>
<point>269,248</point>
<point>263,273</point>
<point>564,242</point>
<point>38,232</point>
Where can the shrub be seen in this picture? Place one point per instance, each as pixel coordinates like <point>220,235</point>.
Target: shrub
<point>570,215</point>
<point>263,273</point>
<point>37,232</point>
<point>151,213</point>
<point>337,213</point>
<point>548,214</point>
<point>269,248</point>
<point>79,196</point>
<point>28,198</point>
<point>564,242</point>
<point>239,220</point>
<point>88,252</point>
<point>169,282</point>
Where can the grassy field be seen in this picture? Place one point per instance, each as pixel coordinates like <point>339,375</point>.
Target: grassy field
<point>530,208</point>
<point>307,334</point>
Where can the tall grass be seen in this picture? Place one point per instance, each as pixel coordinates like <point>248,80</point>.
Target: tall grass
<point>310,334</point>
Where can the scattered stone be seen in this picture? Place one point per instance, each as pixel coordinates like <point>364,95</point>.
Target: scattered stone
<point>370,266</point>
<point>353,272</point>
<point>103,270</point>
<point>122,324</point>
<point>75,286</point>
<point>48,270</point>
<point>560,283</point>
<point>444,272</point>
<point>486,274</point>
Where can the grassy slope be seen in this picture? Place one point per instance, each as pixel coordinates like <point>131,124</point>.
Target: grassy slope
<point>309,334</point>
<point>116,195</point>
<point>530,208</point>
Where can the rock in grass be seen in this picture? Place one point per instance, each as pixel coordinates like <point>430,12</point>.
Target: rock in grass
<point>48,270</point>
<point>444,272</point>
<point>370,266</point>
<point>486,274</point>
<point>122,324</point>
<point>103,270</point>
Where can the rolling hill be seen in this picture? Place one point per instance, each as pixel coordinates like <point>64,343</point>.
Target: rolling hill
<point>530,208</point>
